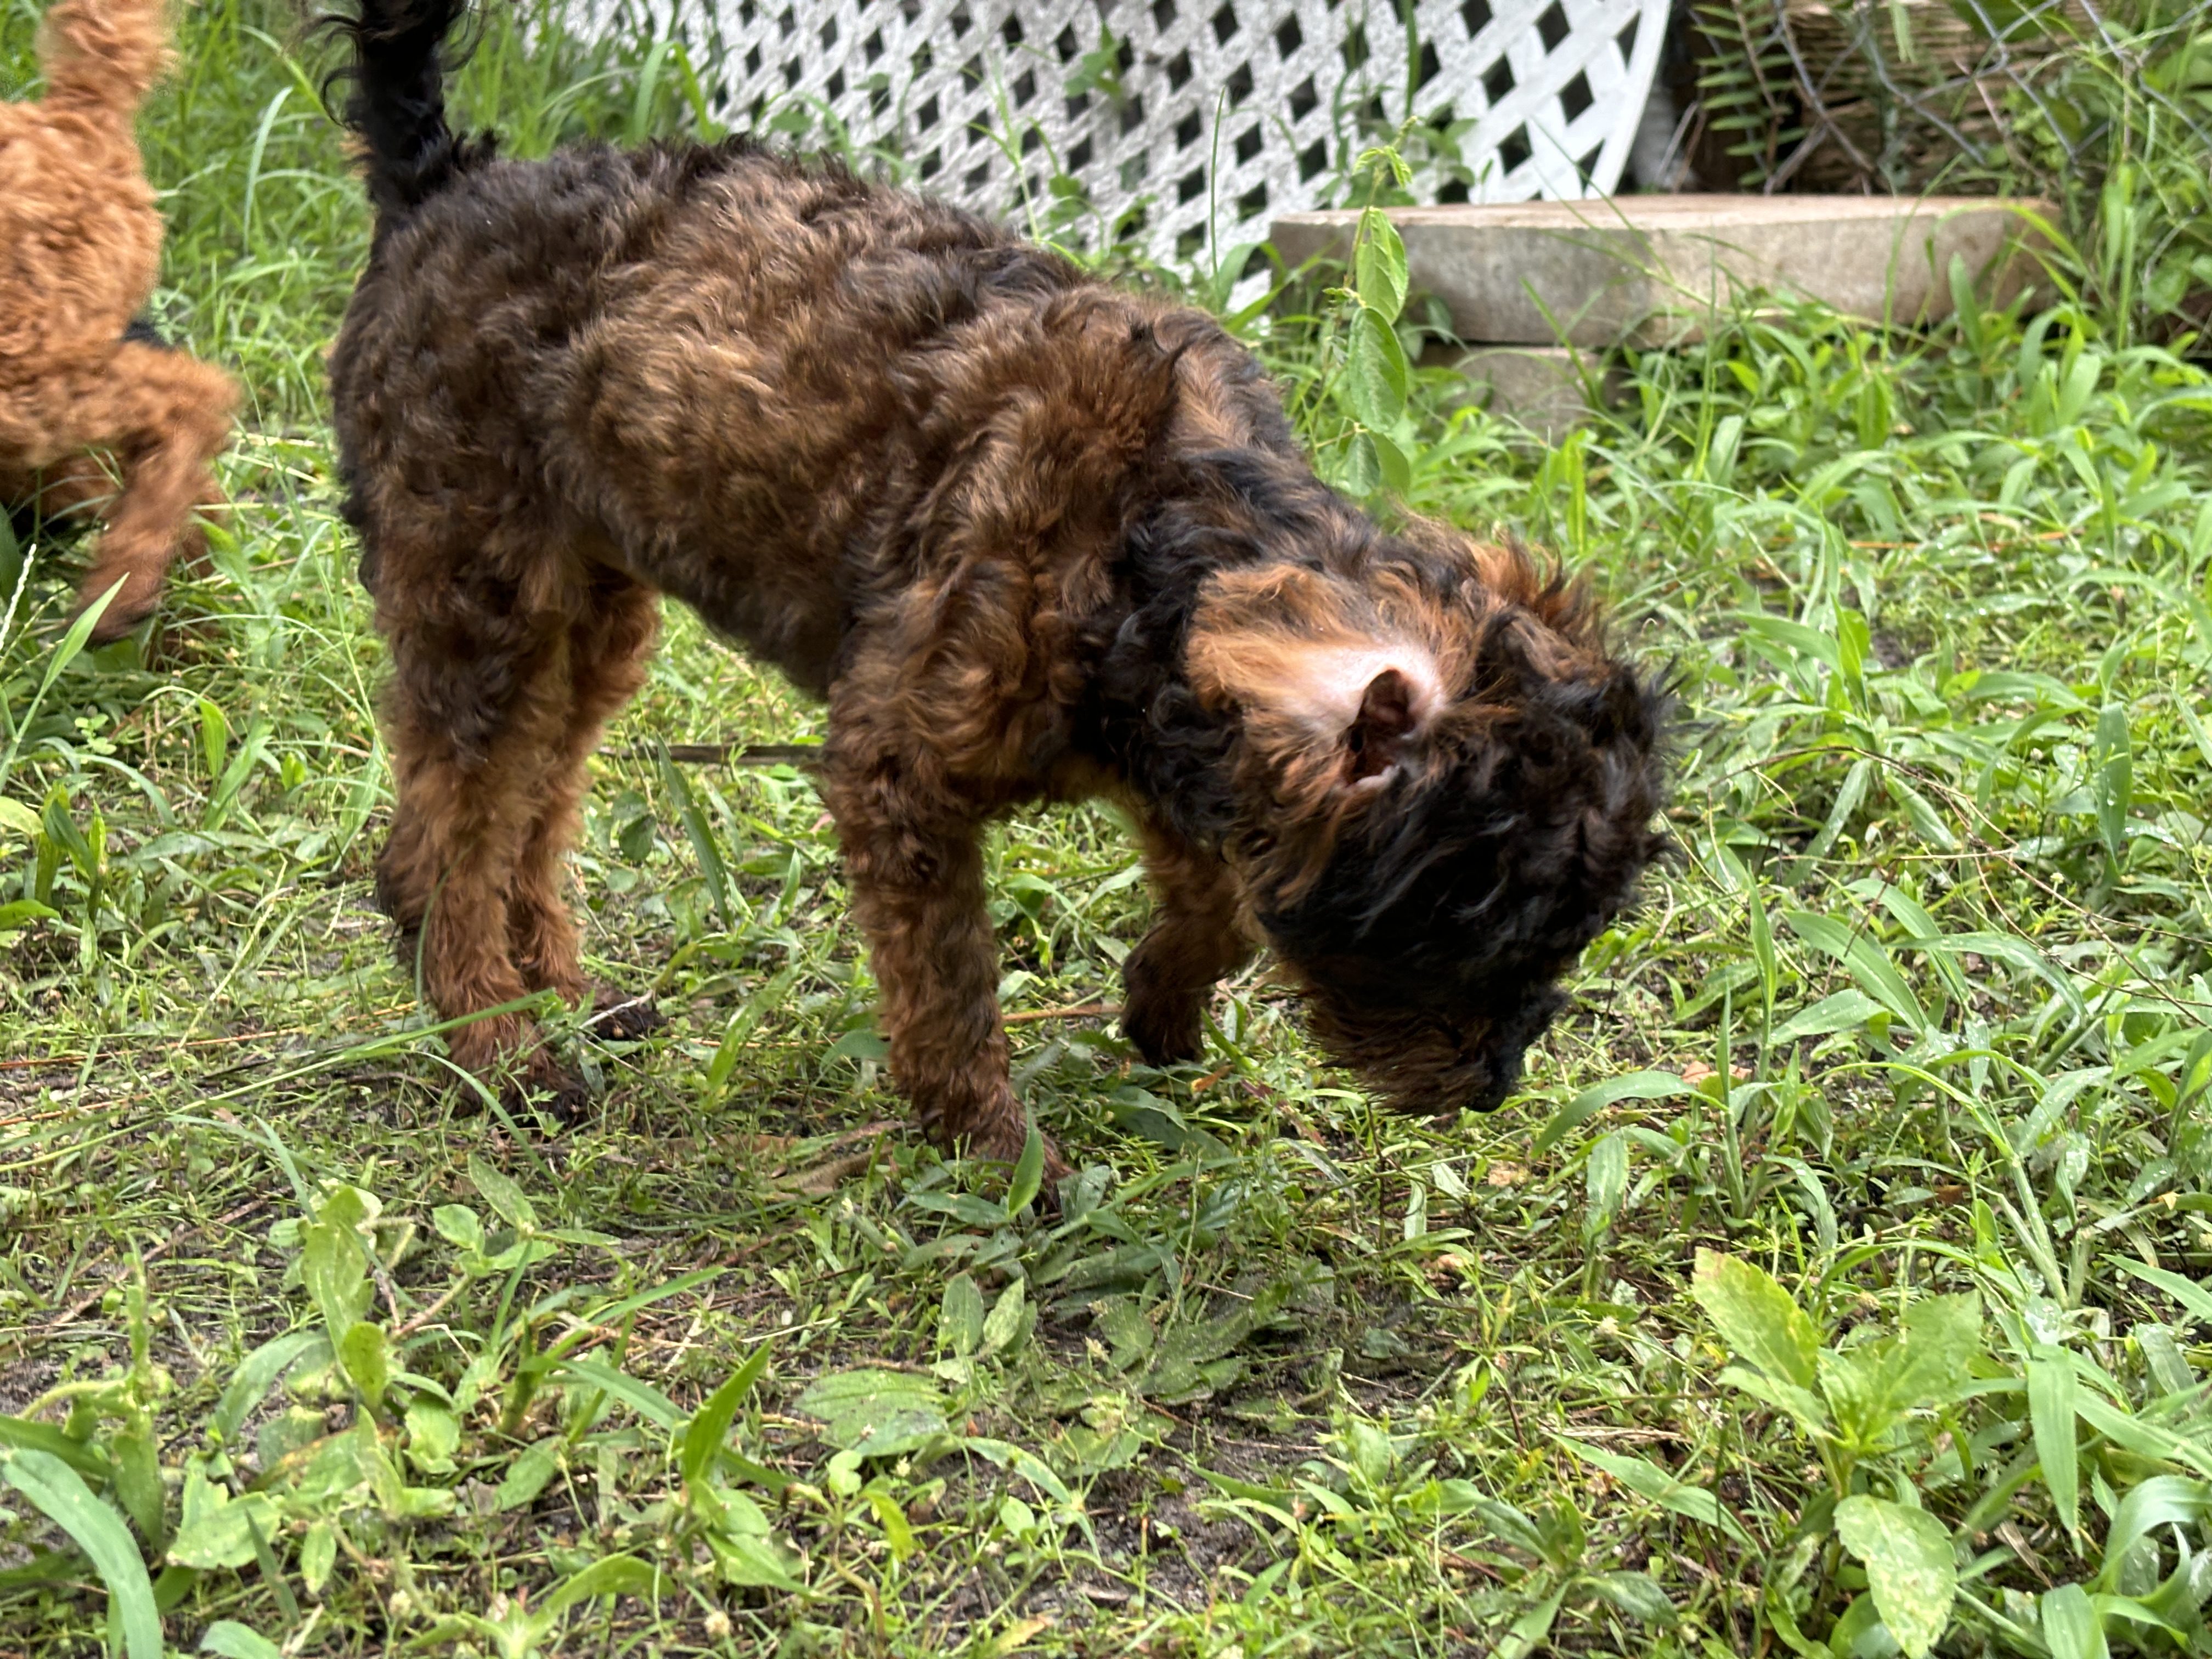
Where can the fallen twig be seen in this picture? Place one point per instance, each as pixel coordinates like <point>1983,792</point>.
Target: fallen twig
<point>57,1062</point>
<point>69,1315</point>
<point>1089,1010</point>
<point>734,754</point>
<point>408,1328</point>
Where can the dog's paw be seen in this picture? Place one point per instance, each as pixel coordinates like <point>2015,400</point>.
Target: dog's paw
<point>134,593</point>
<point>1165,1021</point>
<point>1167,1028</point>
<point>115,625</point>
<point>546,1090</point>
<point>617,1018</point>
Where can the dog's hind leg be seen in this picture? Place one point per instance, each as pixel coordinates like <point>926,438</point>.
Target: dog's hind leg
<point>478,719</point>
<point>1195,941</point>
<point>609,645</point>
<point>166,416</point>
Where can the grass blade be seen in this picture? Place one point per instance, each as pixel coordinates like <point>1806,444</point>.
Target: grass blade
<point>617,1574</point>
<point>1636,1086</point>
<point>62,656</point>
<point>710,1425</point>
<point>28,1436</point>
<point>2050,1391</point>
<point>62,1495</point>
<point>1029,1174</point>
<point>232,1640</point>
<point>257,1373</point>
<point>2195,1299</point>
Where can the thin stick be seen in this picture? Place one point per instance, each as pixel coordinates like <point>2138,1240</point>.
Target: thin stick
<point>69,1315</point>
<point>55,1062</point>
<point>1031,1016</point>
<point>410,1327</point>
<point>807,755</point>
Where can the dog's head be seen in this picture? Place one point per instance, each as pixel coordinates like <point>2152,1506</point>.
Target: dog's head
<point>1445,790</point>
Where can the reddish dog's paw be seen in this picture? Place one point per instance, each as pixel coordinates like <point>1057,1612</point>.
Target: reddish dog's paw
<point>1006,1143</point>
<point>1166,1028</point>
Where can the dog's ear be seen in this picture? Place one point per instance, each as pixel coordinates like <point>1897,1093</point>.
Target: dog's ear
<point>1386,719</point>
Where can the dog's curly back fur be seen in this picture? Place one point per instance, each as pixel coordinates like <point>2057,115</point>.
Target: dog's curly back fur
<point>1029,535</point>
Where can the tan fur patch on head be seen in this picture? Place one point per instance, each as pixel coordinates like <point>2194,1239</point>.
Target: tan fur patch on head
<point>1295,652</point>
<point>1295,649</point>
<point>1345,680</point>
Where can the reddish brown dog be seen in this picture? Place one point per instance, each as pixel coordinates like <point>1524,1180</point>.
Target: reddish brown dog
<point>80,248</point>
<point>1029,536</point>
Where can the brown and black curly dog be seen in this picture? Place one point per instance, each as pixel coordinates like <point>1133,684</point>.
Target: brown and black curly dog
<point>1029,536</point>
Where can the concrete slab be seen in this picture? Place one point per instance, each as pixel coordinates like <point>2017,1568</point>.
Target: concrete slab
<point>1652,269</point>
<point>1546,389</point>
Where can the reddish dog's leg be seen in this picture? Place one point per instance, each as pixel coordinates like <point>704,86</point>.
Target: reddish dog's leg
<point>608,648</point>
<point>167,416</point>
<point>915,863</point>
<point>1194,941</point>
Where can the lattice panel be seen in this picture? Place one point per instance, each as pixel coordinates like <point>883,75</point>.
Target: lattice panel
<point>1209,116</point>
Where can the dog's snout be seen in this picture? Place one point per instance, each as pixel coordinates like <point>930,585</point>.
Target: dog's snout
<point>1494,1089</point>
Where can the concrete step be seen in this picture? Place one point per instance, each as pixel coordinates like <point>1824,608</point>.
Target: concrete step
<point>1654,269</point>
<point>1549,390</point>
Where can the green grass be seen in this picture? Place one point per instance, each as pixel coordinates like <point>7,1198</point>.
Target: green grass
<point>1916,1023</point>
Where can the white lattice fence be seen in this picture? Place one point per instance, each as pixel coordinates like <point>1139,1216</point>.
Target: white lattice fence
<point>1191,115</point>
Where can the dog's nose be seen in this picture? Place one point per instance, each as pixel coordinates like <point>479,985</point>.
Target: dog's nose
<point>1504,1078</point>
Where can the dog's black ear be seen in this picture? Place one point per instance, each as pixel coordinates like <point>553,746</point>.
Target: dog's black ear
<point>1379,731</point>
<point>1620,708</point>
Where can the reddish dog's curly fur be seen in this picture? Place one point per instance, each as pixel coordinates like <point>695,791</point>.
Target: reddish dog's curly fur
<point>80,249</point>
<point>1029,536</point>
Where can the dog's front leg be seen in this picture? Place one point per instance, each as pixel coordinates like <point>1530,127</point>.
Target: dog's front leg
<point>1196,940</point>
<point>914,866</point>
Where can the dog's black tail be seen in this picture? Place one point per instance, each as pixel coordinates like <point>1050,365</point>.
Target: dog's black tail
<point>396,106</point>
